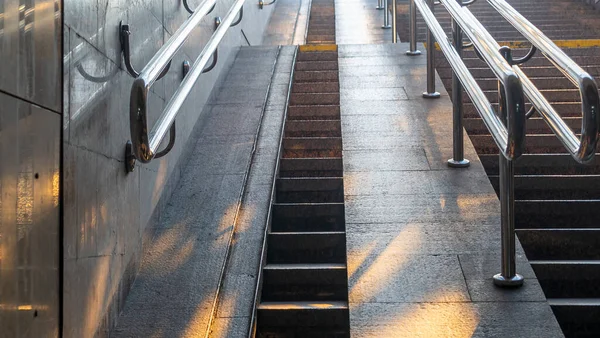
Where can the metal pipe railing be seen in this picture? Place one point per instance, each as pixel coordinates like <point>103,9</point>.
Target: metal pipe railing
<point>489,50</point>
<point>584,148</point>
<point>412,29</point>
<point>144,145</point>
<point>431,93</point>
<point>386,15</point>
<point>507,128</point>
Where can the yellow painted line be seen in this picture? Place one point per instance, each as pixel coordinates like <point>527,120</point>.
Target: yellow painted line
<point>318,48</point>
<point>559,43</point>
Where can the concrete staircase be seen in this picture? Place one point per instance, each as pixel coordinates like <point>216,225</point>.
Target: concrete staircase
<point>304,279</point>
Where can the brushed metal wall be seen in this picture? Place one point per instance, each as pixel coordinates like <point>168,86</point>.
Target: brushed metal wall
<point>29,222</point>
<point>30,141</point>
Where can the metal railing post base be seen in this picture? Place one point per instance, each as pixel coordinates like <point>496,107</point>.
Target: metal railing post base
<point>464,163</point>
<point>413,52</point>
<point>434,95</point>
<point>515,281</point>
<point>386,15</point>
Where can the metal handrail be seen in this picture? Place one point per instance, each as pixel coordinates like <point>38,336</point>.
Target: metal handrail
<point>509,138</point>
<point>144,144</point>
<point>507,125</point>
<point>489,49</point>
<point>482,104</point>
<point>584,148</point>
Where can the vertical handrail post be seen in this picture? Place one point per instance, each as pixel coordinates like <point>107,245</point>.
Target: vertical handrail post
<point>413,29</point>
<point>380,4</point>
<point>431,93</point>
<point>508,275</point>
<point>394,30</point>
<point>386,15</point>
<point>458,159</point>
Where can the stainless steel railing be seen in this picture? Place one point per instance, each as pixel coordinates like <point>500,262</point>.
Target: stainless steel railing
<point>581,149</point>
<point>507,126</point>
<point>144,145</point>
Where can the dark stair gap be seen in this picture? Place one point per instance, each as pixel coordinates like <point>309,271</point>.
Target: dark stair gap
<point>304,279</point>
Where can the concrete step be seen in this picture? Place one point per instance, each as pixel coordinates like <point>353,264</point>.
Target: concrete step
<point>552,95</point>
<point>547,164</point>
<point>306,247</point>
<point>307,99</point>
<point>484,72</point>
<point>534,144</point>
<point>323,25</point>
<point>308,217</point>
<point>309,190</point>
<point>310,167</point>
<point>311,147</point>
<point>578,317</point>
<point>314,112</point>
<point>304,282</point>
<point>560,243</point>
<point>589,62</point>
<point>568,279</point>
<point>316,76</point>
<point>303,319</point>
<point>557,213</point>
<point>564,109</point>
<point>541,82</point>
<point>535,125</point>
<point>553,187</point>
<point>314,128</point>
<point>316,56</point>
<point>316,65</point>
<point>316,87</point>
<point>320,39</point>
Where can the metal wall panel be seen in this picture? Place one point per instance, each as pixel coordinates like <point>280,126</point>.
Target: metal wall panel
<point>29,219</point>
<point>30,50</point>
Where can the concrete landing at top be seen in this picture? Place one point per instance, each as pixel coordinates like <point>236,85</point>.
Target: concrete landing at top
<point>423,240</point>
<point>360,22</point>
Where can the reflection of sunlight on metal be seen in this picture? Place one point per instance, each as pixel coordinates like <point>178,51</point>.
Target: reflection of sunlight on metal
<point>387,264</point>
<point>55,187</point>
<point>24,307</point>
<point>25,198</point>
<point>25,15</point>
<point>426,320</point>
